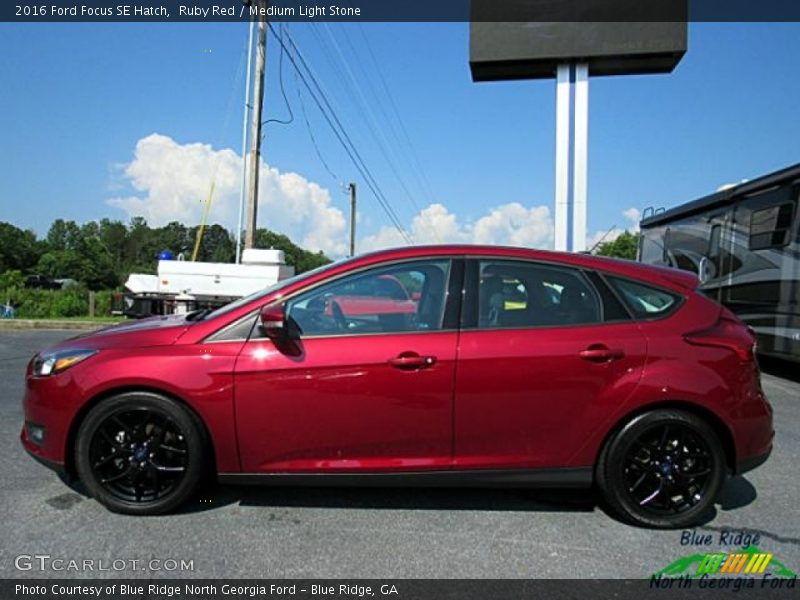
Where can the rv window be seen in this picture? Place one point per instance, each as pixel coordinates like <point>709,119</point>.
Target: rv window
<point>769,227</point>
<point>713,242</point>
<point>665,250</point>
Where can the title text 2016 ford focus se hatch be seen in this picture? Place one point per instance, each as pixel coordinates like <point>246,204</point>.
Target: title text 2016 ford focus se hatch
<point>447,365</point>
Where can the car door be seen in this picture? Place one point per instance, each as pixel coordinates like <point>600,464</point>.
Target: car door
<point>545,355</point>
<point>368,383</point>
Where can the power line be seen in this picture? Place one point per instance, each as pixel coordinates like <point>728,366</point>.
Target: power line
<point>283,90</point>
<point>370,119</point>
<point>311,133</point>
<point>324,105</point>
<point>420,170</point>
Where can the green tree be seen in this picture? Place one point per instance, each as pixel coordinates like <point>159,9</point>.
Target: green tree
<point>98,265</point>
<point>624,246</point>
<point>175,237</point>
<point>113,234</point>
<point>19,249</point>
<point>217,244</point>
<point>89,262</point>
<point>63,235</point>
<point>61,264</point>
<point>101,254</point>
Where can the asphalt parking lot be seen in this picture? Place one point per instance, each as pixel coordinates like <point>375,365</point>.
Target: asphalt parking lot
<point>372,533</point>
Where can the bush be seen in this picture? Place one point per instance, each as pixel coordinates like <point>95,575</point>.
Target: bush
<point>70,304</point>
<point>47,304</point>
<point>32,303</point>
<point>102,303</point>
<point>11,279</point>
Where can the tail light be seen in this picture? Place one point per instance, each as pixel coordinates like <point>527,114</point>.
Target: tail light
<point>728,332</point>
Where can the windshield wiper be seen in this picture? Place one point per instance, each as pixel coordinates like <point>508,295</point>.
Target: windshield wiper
<point>199,315</point>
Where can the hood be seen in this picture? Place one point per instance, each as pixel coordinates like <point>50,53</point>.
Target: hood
<point>153,331</point>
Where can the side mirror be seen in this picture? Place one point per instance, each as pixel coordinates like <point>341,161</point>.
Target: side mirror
<point>273,322</point>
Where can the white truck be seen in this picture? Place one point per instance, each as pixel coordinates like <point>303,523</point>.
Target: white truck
<point>182,286</point>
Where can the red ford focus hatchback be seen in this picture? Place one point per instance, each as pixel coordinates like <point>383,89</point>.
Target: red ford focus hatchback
<point>447,365</point>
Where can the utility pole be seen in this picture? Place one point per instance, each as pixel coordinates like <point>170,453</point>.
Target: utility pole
<point>352,188</point>
<point>255,141</point>
<point>245,123</point>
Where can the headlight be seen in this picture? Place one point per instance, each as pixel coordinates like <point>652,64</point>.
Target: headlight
<point>51,363</point>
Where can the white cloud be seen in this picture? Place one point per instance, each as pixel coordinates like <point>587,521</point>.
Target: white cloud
<point>633,215</point>
<point>510,224</point>
<point>516,225</point>
<point>172,182</point>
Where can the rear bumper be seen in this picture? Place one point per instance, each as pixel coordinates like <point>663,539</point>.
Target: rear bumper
<point>748,464</point>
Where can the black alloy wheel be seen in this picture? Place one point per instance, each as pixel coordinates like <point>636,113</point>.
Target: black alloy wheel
<point>140,453</point>
<point>663,469</point>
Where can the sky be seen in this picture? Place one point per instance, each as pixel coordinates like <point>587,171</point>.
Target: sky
<point>121,120</point>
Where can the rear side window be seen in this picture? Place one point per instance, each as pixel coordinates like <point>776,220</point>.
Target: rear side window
<point>644,301</point>
<point>613,310</point>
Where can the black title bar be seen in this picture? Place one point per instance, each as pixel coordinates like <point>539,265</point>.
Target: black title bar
<point>34,11</point>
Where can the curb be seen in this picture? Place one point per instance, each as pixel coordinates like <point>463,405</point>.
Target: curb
<point>23,324</point>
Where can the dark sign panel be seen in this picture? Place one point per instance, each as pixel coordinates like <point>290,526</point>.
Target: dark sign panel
<point>531,50</point>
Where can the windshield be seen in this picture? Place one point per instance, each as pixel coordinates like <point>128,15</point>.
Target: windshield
<point>222,310</point>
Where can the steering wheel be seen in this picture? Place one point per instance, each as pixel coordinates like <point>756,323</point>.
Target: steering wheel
<point>338,316</point>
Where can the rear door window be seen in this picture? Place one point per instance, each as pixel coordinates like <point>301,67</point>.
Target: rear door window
<point>513,294</point>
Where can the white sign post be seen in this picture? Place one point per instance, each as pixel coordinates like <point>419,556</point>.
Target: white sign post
<point>572,138</point>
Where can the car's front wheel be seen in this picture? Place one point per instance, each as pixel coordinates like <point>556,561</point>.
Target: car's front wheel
<point>663,469</point>
<point>140,453</point>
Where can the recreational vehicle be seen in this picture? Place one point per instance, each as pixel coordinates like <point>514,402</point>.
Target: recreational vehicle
<point>744,244</point>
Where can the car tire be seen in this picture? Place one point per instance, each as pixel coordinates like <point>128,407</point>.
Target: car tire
<point>663,469</point>
<point>141,453</point>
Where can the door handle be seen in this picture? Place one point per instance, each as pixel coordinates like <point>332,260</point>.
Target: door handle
<point>412,360</point>
<point>600,353</point>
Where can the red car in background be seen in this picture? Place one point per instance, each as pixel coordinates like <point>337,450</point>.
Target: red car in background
<point>372,303</point>
<point>484,366</point>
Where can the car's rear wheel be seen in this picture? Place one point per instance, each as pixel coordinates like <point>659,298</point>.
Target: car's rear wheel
<point>663,469</point>
<point>140,453</point>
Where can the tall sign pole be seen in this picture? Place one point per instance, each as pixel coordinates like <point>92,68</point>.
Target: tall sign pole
<point>255,131</point>
<point>572,140</point>
<point>511,41</point>
<point>580,152</point>
<point>563,146</point>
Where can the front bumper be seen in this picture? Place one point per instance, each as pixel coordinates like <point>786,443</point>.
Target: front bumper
<point>35,452</point>
<point>51,403</point>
